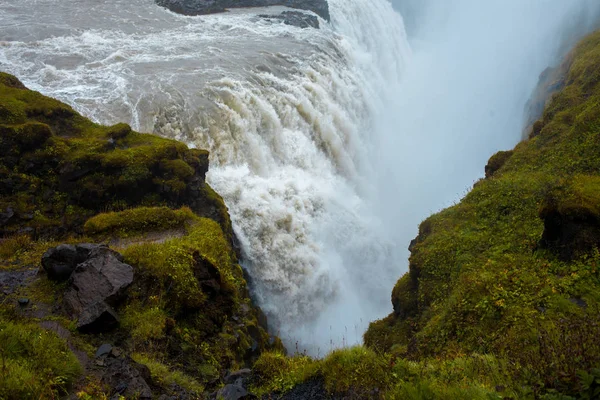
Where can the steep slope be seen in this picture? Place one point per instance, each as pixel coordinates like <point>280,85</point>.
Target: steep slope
<point>512,270</point>
<point>187,315</point>
<point>502,299</point>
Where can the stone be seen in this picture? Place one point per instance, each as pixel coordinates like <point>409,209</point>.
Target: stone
<point>201,7</point>
<point>103,350</point>
<point>96,284</point>
<point>97,318</point>
<point>232,392</point>
<point>59,262</point>
<point>23,301</point>
<point>295,18</point>
<point>238,377</point>
<point>127,378</point>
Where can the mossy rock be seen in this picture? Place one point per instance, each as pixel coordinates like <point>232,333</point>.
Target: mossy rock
<point>68,169</point>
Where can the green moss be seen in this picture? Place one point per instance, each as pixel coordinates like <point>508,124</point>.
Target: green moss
<point>137,221</point>
<point>356,370</point>
<point>165,377</point>
<point>35,363</point>
<point>276,372</point>
<point>479,280</point>
<point>145,323</point>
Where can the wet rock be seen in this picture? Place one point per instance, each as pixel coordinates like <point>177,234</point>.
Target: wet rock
<point>200,7</point>
<point>238,377</point>
<point>97,284</point>
<point>295,18</point>
<point>103,350</point>
<point>232,392</point>
<point>59,262</point>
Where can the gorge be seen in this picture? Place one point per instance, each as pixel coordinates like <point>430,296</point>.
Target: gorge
<point>329,146</point>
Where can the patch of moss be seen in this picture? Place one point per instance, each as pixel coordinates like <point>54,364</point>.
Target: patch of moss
<point>138,221</point>
<point>35,363</point>
<point>58,169</point>
<point>163,376</point>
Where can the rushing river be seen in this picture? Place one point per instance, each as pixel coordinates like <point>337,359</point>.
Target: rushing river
<point>328,146</point>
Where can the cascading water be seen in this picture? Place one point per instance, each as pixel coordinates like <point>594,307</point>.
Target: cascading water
<point>327,145</point>
<point>287,114</point>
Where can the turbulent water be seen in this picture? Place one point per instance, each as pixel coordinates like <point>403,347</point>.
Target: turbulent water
<point>327,145</point>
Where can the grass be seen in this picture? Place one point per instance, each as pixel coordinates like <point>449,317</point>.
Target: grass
<point>137,221</point>
<point>35,363</point>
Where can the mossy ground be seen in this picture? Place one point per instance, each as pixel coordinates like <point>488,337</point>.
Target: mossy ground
<point>488,309</point>
<point>64,179</point>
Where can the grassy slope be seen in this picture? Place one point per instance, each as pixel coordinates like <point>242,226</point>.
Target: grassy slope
<point>188,315</point>
<point>485,311</point>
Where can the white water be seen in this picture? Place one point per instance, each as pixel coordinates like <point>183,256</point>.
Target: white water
<point>329,146</point>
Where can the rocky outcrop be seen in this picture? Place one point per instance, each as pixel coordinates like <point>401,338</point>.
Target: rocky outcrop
<point>121,374</point>
<point>294,18</point>
<point>201,7</point>
<point>95,286</point>
<point>97,278</point>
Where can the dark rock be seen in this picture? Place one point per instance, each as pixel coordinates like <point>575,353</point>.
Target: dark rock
<point>6,215</point>
<point>97,284</point>
<point>201,7</point>
<point>238,377</point>
<point>207,275</point>
<point>232,392</point>
<point>295,18</point>
<point>23,302</point>
<point>103,350</point>
<point>97,318</point>
<point>579,302</point>
<point>127,378</point>
<point>59,262</point>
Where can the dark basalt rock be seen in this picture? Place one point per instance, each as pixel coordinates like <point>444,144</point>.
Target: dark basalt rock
<point>294,18</point>
<point>95,285</point>
<point>59,262</point>
<point>201,7</point>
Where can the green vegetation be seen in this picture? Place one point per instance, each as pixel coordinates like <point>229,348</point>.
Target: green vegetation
<point>63,179</point>
<point>59,169</point>
<point>35,363</point>
<point>165,377</point>
<point>138,221</point>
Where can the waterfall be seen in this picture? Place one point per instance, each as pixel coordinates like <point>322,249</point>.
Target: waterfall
<point>329,146</point>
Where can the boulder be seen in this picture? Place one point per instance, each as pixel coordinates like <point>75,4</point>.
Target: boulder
<point>232,392</point>
<point>59,262</point>
<point>295,18</point>
<point>95,285</point>
<point>201,7</point>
